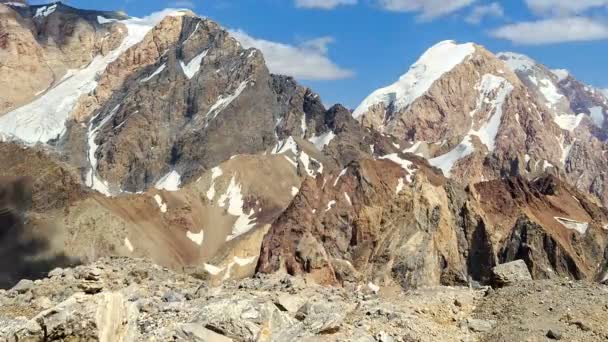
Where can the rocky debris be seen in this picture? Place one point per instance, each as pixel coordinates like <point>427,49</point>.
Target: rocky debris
<point>280,307</point>
<point>528,311</point>
<point>510,273</point>
<point>479,325</point>
<point>134,309</point>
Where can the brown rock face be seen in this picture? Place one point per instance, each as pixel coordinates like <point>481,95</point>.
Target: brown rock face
<point>364,226</point>
<point>37,50</point>
<point>22,62</point>
<point>367,223</point>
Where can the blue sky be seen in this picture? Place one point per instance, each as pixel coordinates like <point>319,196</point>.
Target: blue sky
<point>345,49</point>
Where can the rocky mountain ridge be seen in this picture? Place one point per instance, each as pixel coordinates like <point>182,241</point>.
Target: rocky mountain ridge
<point>480,116</point>
<point>170,141</point>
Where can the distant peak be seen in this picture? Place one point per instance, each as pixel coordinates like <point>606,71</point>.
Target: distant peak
<point>432,65</point>
<point>517,61</point>
<point>14,3</point>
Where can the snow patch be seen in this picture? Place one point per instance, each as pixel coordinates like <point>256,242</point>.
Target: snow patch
<point>348,199</point>
<point>291,161</point>
<point>233,199</point>
<point>550,92</point>
<point>15,4</point>
<point>342,173</point>
<point>489,86</point>
<point>169,182</point>
<point>129,245</point>
<point>566,152</point>
<point>294,191</point>
<point>161,204</point>
<point>215,173</point>
<point>196,238</point>
<point>400,186</point>
<point>213,270</point>
<point>211,192</point>
<point>547,165</point>
<point>92,180</point>
<point>580,227</point>
<point>330,205</point>
<point>306,159</point>
<point>561,74</point>
<point>433,64</point>
<point>224,101</point>
<point>303,126</point>
<point>244,261</point>
<point>373,287</point>
<point>414,148</point>
<point>287,145</point>
<point>517,62</point>
<point>568,122</point>
<point>405,164</point>
<point>597,116</point>
<point>103,20</point>
<point>320,141</point>
<point>158,71</point>
<point>446,162</point>
<point>193,31</point>
<point>193,67</point>
<point>45,11</point>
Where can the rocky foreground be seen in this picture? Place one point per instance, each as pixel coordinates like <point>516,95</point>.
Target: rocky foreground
<point>133,300</point>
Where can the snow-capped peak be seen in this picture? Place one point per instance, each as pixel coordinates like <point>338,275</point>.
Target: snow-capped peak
<point>434,63</point>
<point>516,61</point>
<point>43,119</point>
<point>561,74</point>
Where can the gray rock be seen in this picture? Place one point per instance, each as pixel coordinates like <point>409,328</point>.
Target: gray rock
<point>198,333</point>
<point>173,297</point>
<point>23,286</point>
<point>90,287</point>
<point>92,274</point>
<point>57,272</point>
<point>510,273</point>
<point>384,337</point>
<point>322,317</point>
<point>480,325</point>
<point>554,334</point>
<point>290,303</point>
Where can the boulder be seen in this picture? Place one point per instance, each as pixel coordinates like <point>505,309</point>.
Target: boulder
<point>510,273</point>
<point>23,286</point>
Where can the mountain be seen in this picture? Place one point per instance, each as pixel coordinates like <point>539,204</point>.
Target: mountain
<point>163,138</point>
<point>479,116</point>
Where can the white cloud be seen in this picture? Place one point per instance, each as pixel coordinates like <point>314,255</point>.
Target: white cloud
<point>564,7</point>
<point>308,61</point>
<point>480,12</point>
<point>429,9</point>
<point>554,30</point>
<point>324,4</point>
